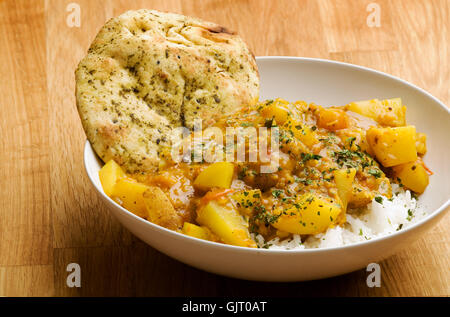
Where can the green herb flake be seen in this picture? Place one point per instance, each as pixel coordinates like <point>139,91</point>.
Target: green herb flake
<point>276,193</point>
<point>374,172</point>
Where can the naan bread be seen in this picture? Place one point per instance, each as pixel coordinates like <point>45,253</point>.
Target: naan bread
<point>147,72</point>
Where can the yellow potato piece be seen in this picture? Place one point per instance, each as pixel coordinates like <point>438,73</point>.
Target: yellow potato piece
<point>278,110</point>
<point>360,196</point>
<point>226,223</point>
<point>413,176</point>
<point>344,180</point>
<point>393,146</point>
<point>367,108</point>
<point>129,194</point>
<point>219,174</point>
<point>110,173</point>
<point>160,209</point>
<point>310,215</point>
<point>388,112</point>
<point>392,113</point>
<point>305,134</point>
<point>195,231</point>
<point>332,119</point>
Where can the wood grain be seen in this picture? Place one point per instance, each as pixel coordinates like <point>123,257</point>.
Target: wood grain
<point>25,234</point>
<point>49,215</point>
<point>345,26</point>
<point>79,219</point>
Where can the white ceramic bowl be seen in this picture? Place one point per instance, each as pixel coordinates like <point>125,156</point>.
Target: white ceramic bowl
<point>327,83</point>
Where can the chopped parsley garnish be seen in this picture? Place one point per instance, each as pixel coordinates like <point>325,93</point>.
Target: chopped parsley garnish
<point>344,157</point>
<point>261,214</point>
<point>308,156</point>
<point>277,192</point>
<point>410,215</point>
<point>379,199</point>
<point>374,172</point>
<point>304,181</point>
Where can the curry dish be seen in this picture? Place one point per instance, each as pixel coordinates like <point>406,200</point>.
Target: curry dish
<point>331,161</point>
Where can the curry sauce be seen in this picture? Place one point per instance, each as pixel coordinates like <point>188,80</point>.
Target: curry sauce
<point>327,161</point>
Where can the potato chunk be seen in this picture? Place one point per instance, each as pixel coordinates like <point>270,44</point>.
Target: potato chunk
<point>392,113</point>
<point>305,134</point>
<point>393,146</point>
<point>310,215</point>
<point>360,196</point>
<point>413,176</point>
<point>219,174</point>
<point>195,231</point>
<point>279,110</point>
<point>367,108</point>
<point>110,173</point>
<point>226,223</point>
<point>344,180</point>
<point>389,112</point>
<point>332,119</point>
<point>160,209</point>
<point>129,194</point>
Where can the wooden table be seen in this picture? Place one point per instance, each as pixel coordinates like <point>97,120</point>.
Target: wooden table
<point>49,214</point>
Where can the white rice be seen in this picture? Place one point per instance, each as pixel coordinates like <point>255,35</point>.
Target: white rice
<point>378,219</point>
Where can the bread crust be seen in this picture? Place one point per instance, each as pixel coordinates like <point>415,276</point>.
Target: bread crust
<point>148,72</point>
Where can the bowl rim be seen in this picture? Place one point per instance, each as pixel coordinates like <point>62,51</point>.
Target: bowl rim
<point>431,215</point>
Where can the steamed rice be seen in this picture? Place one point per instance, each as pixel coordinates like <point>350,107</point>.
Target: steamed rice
<point>376,220</point>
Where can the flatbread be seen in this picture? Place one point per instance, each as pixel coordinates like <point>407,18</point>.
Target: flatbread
<point>147,72</point>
